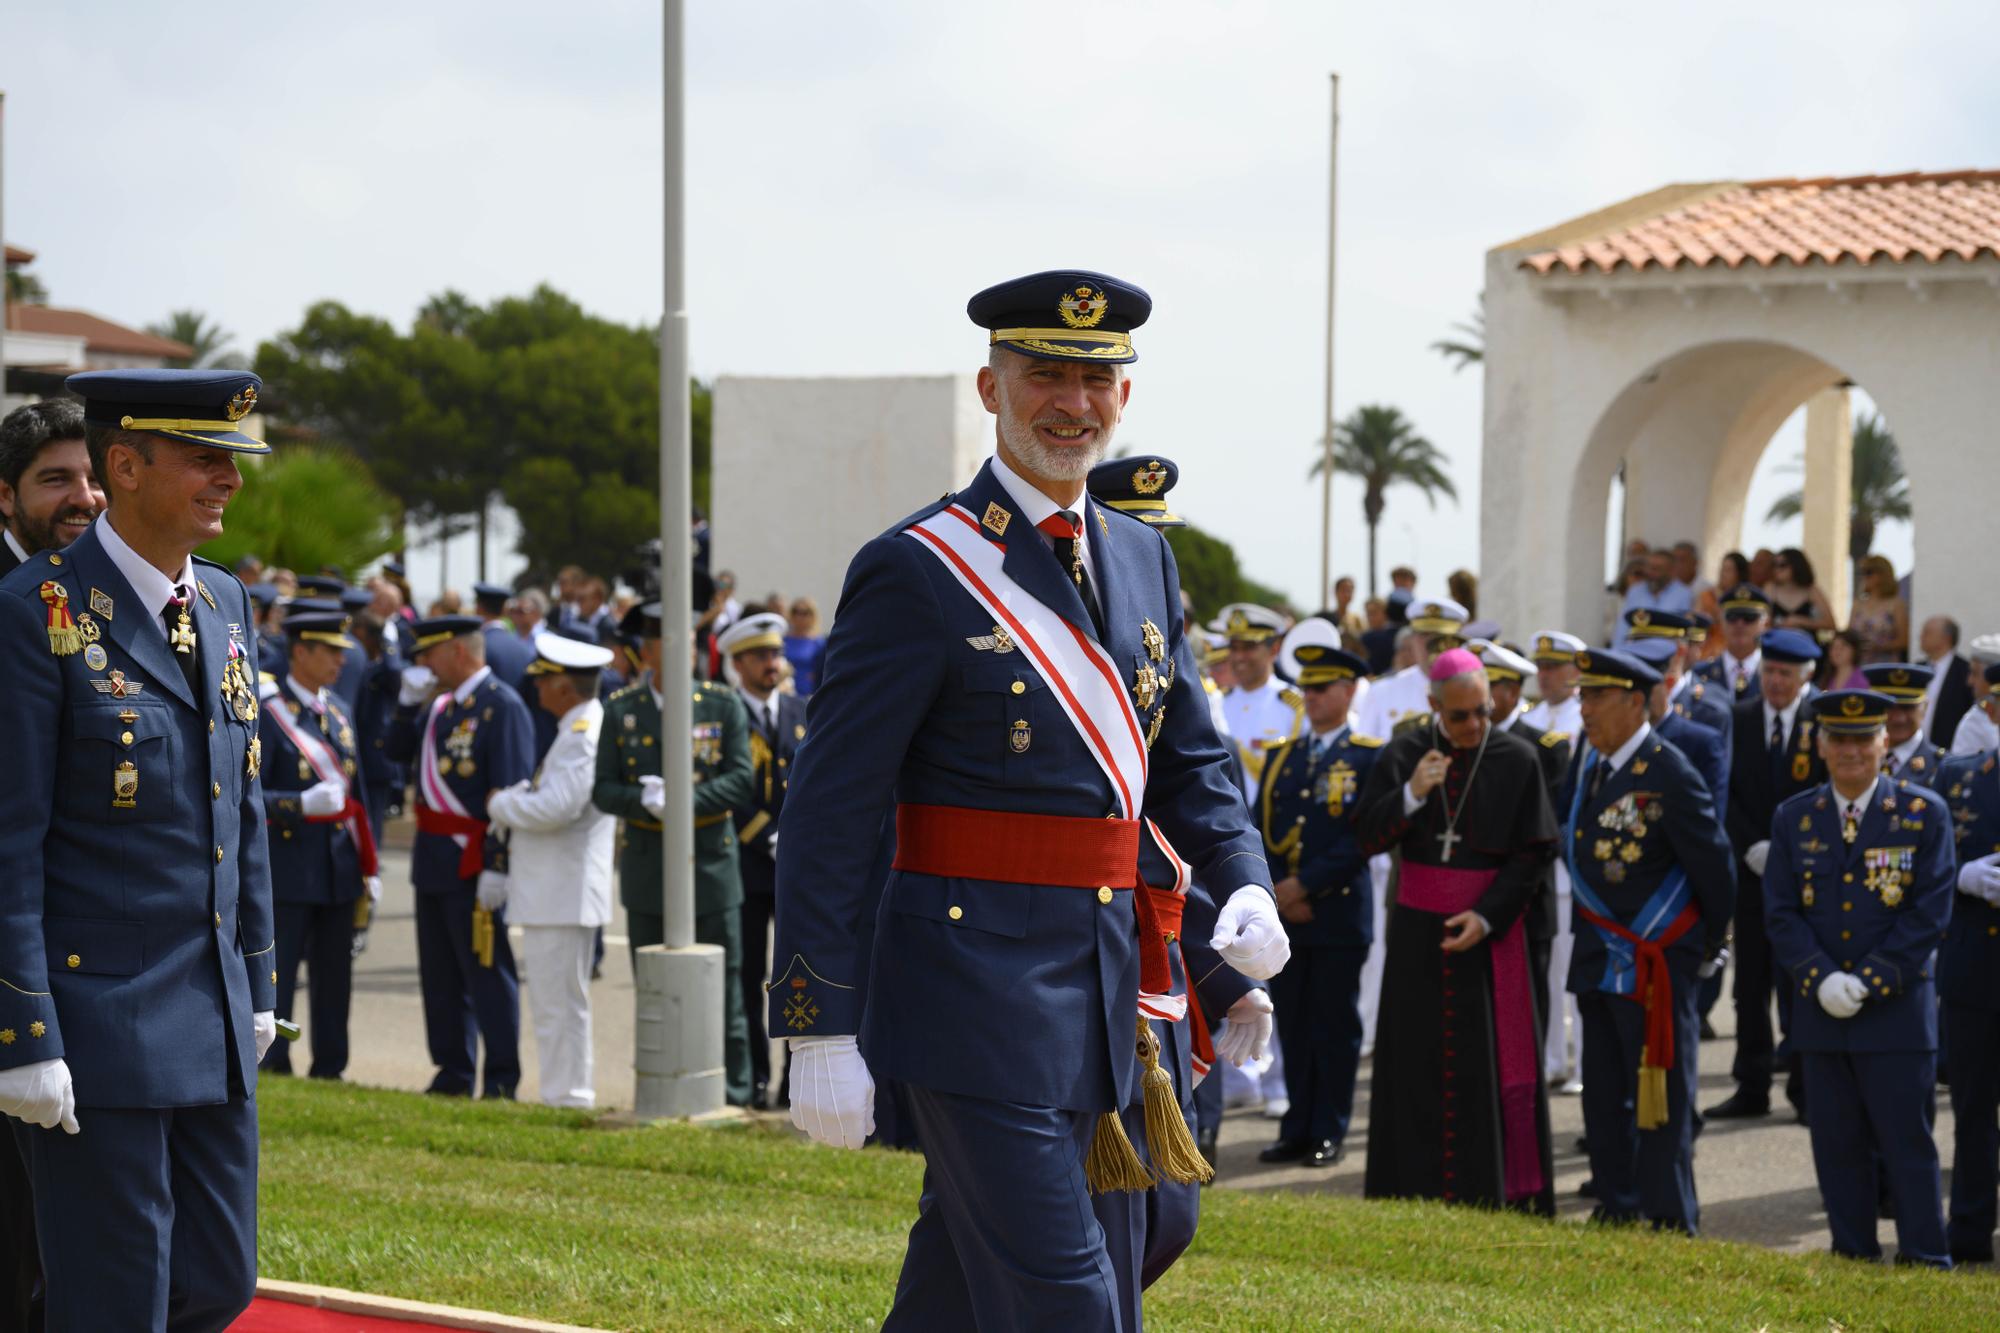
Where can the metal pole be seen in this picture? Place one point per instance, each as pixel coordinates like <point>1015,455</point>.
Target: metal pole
<point>1326,440</point>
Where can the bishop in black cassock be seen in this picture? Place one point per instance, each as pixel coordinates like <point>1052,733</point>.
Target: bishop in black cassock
<point>1459,1109</point>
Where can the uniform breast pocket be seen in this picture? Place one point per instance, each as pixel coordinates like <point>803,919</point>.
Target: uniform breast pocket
<point>121,764</point>
<point>1014,703</point>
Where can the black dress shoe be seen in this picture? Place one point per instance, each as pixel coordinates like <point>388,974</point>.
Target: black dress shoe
<point>1965,1254</point>
<point>1286,1150</point>
<point>1740,1106</point>
<point>1588,1189</point>
<point>1707,1029</point>
<point>1326,1153</point>
<point>1204,1143</point>
<point>443,1087</point>
<point>760,1093</point>
<point>498,1092</point>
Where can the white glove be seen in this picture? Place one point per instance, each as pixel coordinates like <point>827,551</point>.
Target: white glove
<point>1841,994</point>
<point>326,797</point>
<point>653,794</point>
<point>772,847</point>
<point>264,1027</point>
<point>1756,854</point>
<point>373,885</point>
<point>1980,878</point>
<point>415,685</point>
<point>40,1094</point>
<point>1249,935</point>
<point>492,890</point>
<point>833,1094</point>
<point>1247,1034</point>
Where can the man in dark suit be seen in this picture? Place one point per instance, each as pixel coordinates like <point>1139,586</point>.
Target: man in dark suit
<point>1772,758</point>
<point>1950,692</point>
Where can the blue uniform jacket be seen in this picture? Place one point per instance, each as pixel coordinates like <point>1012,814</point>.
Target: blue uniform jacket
<point>771,758</point>
<point>374,714</point>
<point>1714,672</point>
<point>1305,810</point>
<point>1012,992</point>
<point>1922,766</point>
<point>353,672</point>
<point>1876,909</point>
<point>1969,963</point>
<point>510,656</point>
<point>1702,702</point>
<point>1652,815</point>
<point>1707,750</point>
<point>135,907</point>
<point>484,744</point>
<point>311,861</point>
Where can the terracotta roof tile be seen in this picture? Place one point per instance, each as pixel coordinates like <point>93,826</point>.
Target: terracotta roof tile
<point>98,334</point>
<point>16,255</point>
<point>1859,219</point>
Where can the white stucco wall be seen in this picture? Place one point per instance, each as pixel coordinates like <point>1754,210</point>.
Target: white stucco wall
<point>1686,377</point>
<point>807,470</point>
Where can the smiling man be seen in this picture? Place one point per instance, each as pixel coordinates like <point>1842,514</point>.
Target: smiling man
<point>136,974</point>
<point>48,494</point>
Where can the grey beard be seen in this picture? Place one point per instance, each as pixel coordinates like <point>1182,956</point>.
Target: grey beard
<point>1038,458</point>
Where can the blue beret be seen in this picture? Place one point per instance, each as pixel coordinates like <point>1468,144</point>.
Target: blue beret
<point>1135,486</point>
<point>440,629</point>
<point>192,406</point>
<point>1851,712</point>
<point>1066,314</point>
<point>1602,668</point>
<point>1790,645</point>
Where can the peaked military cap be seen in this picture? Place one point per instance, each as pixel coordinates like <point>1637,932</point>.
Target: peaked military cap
<point>1653,650</point>
<point>641,622</point>
<point>1555,648</point>
<point>441,629</point>
<point>1136,486</point>
<point>264,594</point>
<point>1789,645</point>
<point>312,606</point>
<point>1647,623</point>
<point>1851,712</point>
<point>356,599</point>
<point>766,629</point>
<point>1503,663</point>
<point>321,585</point>
<point>1488,630</point>
<point>1605,668</point>
<point>329,627</point>
<point>1437,615</point>
<point>559,652</point>
<point>1323,664</point>
<point>1068,314</point>
<point>1746,598</point>
<point>1246,622</point>
<point>1904,682</point>
<point>494,595</point>
<point>192,406</point>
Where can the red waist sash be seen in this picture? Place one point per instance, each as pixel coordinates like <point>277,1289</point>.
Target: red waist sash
<point>1653,985</point>
<point>364,837</point>
<point>1446,892</point>
<point>953,842</point>
<point>472,859</point>
<point>1159,914</point>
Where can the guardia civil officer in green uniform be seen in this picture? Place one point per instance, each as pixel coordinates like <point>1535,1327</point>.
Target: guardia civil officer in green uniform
<point>629,785</point>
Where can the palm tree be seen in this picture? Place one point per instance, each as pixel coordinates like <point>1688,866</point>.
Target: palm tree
<point>305,507</point>
<point>1473,332</point>
<point>1878,490</point>
<point>25,288</point>
<point>211,342</point>
<point>1379,445</point>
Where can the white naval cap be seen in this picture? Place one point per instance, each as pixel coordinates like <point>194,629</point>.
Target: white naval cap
<point>1984,649</point>
<point>1553,647</point>
<point>1437,615</point>
<point>1316,631</point>
<point>1246,622</point>
<point>555,652</point>
<point>766,629</point>
<point>1502,662</point>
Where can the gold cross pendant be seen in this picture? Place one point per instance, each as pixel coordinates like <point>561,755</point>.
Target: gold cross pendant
<point>183,636</point>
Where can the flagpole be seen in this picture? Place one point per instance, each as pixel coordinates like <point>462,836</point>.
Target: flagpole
<point>1326,438</point>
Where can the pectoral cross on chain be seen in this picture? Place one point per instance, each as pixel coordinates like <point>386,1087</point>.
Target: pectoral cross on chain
<point>1448,838</point>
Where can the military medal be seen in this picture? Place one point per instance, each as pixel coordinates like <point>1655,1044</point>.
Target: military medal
<point>117,686</point>
<point>94,657</point>
<point>253,759</point>
<point>1145,684</point>
<point>1019,736</point>
<point>305,771</point>
<point>125,786</point>
<point>466,768</point>
<point>183,636</point>
<point>64,637</point>
<point>206,596</point>
<point>1614,871</point>
<point>1153,727</point>
<point>1156,643</point>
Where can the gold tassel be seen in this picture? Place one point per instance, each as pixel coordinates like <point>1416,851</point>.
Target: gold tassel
<point>482,936</point>
<point>1113,1163</point>
<point>1167,1138</point>
<point>363,910</point>
<point>1652,1093</point>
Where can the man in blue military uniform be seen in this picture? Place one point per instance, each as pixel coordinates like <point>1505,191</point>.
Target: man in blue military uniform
<point>1857,892</point>
<point>383,780</point>
<point>1687,694</point>
<point>468,737</point>
<point>324,874</point>
<point>1773,756</point>
<point>1320,876</point>
<point>1650,868</point>
<point>1908,754</point>
<point>1703,746</point>
<point>1737,671</point>
<point>1006,680</point>
<point>136,980</point>
<point>1969,981</point>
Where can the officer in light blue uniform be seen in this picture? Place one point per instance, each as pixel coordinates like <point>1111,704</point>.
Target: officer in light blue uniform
<point>136,981</point>
<point>467,739</point>
<point>1306,811</point>
<point>1654,886</point>
<point>1910,754</point>
<point>1969,980</point>
<point>270,645</point>
<point>317,869</point>
<point>1004,971</point>
<point>1858,890</point>
<point>1704,747</point>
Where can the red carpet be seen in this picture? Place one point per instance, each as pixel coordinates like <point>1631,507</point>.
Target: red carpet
<point>269,1316</point>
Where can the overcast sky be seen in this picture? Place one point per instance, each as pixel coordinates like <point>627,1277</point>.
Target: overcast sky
<point>857,170</point>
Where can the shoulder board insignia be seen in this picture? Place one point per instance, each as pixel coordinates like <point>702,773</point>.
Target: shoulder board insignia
<point>1552,739</point>
<point>1365,742</point>
<point>1292,698</point>
<point>581,724</point>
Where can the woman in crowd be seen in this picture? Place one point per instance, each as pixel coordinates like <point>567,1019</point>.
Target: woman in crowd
<point>803,645</point>
<point>1881,619</point>
<point>1841,668</point>
<point>1796,602</point>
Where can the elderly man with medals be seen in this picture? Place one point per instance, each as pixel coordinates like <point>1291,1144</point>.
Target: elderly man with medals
<point>1650,868</point>
<point>1460,1111</point>
<point>1040,710</point>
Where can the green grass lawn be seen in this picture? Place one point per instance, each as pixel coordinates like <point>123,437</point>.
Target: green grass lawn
<point>549,1214</point>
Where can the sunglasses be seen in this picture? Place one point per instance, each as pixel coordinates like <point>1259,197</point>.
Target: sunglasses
<point>1318,688</point>
<point>1458,716</point>
<point>1742,617</point>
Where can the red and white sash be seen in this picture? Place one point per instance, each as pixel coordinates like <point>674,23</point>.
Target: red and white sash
<point>325,764</point>
<point>437,793</point>
<point>1080,673</point>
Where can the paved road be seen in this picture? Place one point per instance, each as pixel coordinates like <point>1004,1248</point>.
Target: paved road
<point>1755,1177</point>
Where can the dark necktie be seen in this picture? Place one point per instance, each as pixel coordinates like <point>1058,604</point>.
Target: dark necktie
<point>1596,778</point>
<point>1778,747</point>
<point>181,638</point>
<point>1066,531</point>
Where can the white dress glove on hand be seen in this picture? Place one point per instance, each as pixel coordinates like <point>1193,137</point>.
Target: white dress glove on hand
<point>833,1094</point>
<point>653,794</point>
<point>415,685</point>
<point>1247,1034</point>
<point>264,1027</point>
<point>1249,935</point>
<point>1756,854</point>
<point>1980,877</point>
<point>40,1094</point>
<point>373,885</point>
<point>323,798</point>
<point>492,892</point>
<point>1841,994</point>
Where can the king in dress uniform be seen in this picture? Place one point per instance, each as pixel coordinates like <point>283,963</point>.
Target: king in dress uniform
<point>1857,892</point>
<point>1041,707</point>
<point>137,985</point>
<point>1969,980</point>
<point>466,734</point>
